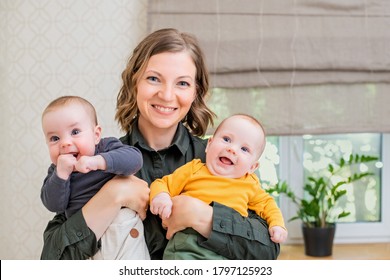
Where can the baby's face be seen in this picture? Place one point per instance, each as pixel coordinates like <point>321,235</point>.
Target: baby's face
<point>69,129</point>
<point>234,149</point>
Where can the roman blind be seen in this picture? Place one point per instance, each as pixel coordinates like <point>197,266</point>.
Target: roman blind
<point>300,66</point>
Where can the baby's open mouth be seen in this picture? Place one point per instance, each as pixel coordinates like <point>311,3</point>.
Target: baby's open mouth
<point>225,160</point>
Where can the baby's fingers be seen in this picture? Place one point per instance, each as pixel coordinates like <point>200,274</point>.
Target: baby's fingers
<point>154,209</point>
<point>165,213</point>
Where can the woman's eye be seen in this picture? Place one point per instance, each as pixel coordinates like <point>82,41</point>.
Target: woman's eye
<point>183,84</point>
<point>152,79</point>
<point>54,138</point>
<point>75,131</point>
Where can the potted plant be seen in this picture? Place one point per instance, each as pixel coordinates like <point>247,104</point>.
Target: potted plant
<point>317,209</point>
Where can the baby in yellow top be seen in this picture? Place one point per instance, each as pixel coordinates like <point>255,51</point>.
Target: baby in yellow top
<point>227,177</point>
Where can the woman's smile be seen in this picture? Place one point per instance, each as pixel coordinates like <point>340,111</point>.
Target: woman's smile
<point>163,108</point>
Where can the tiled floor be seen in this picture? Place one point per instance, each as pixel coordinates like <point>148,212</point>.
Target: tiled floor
<point>374,251</point>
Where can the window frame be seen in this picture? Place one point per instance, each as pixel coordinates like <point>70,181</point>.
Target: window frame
<point>291,170</point>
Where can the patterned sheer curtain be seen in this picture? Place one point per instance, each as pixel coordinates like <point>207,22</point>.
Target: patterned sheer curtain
<point>299,66</point>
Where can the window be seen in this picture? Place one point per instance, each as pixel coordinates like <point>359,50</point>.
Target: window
<point>292,158</point>
<point>364,197</point>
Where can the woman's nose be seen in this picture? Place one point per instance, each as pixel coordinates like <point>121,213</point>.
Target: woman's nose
<point>167,93</point>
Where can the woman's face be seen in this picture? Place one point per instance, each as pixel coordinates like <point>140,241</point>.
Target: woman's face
<point>166,90</point>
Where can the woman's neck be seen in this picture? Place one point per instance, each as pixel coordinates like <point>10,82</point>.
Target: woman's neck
<point>157,138</point>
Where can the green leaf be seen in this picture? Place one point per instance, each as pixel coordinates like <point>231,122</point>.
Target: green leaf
<point>343,214</point>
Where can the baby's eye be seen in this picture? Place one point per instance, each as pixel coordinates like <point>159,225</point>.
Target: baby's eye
<point>226,139</point>
<point>54,138</point>
<point>75,131</point>
<point>245,149</point>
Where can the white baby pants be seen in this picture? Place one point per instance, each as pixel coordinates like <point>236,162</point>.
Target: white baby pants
<point>124,239</point>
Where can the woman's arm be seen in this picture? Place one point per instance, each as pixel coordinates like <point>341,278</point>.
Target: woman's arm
<point>130,192</point>
<point>224,230</point>
<point>183,216</point>
<point>76,237</point>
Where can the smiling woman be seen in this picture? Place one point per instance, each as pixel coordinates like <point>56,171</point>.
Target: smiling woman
<point>141,109</point>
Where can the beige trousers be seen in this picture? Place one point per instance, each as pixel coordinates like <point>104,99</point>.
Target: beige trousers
<point>124,239</point>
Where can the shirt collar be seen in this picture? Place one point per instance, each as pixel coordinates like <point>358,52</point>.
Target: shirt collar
<point>181,140</point>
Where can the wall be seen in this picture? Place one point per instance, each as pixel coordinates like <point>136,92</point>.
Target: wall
<point>48,49</point>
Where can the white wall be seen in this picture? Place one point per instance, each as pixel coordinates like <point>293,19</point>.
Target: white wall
<point>48,49</point>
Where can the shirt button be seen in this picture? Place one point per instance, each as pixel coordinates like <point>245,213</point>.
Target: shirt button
<point>248,233</point>
<point>79,233</point>
<point>134,233</point>
<point>59,252</point>
<point>222,224</point>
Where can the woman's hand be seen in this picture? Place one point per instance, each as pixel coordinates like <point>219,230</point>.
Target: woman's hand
<point>121,191</point>
<point>189,212</point>
<point>135,193</point>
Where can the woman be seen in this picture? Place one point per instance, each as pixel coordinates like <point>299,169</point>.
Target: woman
<point>161,106</point>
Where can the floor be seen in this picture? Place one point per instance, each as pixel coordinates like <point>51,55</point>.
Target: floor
<point>374,251</point>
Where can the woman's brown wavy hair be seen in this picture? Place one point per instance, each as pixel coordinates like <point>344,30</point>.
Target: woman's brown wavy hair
<point>199,116</point>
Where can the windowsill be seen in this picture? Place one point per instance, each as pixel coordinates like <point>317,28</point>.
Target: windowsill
<point>372,251</point>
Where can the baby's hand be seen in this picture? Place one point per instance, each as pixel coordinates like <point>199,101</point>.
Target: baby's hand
<point>162,205</point>
<point>278,234</point>
<point>65,165</point>
<point>86,164</point>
